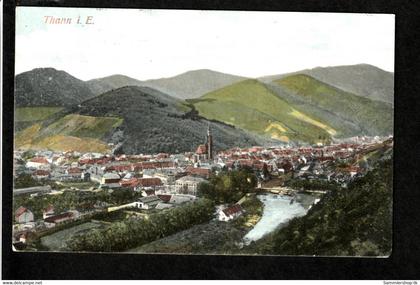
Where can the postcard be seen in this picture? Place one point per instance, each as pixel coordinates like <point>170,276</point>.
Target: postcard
<point>203,132</point>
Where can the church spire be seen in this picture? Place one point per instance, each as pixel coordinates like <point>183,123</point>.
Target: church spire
<point>209,143</point>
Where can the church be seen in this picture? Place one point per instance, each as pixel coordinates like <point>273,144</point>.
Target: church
<point>204,152</point>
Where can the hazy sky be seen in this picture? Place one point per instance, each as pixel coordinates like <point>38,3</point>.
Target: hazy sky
<point>147,44</point>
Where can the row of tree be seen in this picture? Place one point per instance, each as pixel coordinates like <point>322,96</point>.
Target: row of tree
<point>136,232</point>
<point>316,184</point>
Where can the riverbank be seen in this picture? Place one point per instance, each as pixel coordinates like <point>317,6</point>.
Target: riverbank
<point>278,209</point>
<point>217,237</point>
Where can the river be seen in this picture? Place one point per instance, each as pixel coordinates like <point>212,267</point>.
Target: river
<point>277,210</point>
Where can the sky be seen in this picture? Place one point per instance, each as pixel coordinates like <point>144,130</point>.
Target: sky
<point>147,44</point>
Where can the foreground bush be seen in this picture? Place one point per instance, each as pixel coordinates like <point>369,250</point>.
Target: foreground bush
<point>134,232</point>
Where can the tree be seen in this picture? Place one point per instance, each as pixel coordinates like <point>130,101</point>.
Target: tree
<point>228,187</point>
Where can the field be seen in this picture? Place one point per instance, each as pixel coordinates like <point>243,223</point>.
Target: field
<point>83,126</point>
<point>250,105</point>
<point>72,132</point>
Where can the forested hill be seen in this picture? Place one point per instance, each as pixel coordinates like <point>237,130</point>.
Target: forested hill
<point>49,87</point>
<point>154,122</point>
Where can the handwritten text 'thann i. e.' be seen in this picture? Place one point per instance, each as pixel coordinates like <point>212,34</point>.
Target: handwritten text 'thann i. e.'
<point>87,20</point>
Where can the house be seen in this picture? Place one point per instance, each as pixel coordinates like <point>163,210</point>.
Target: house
<point>74,172</point>
<point>188,184</point>
<point>37,162</point>
<point>166,178</point>
<point>48,212</point>
<point>181,198</point>
<point>130,183</point>
<point>41,174</point>
<point>198,171</point>
<point>61,218</point>
<point>23,215</point>
<point>165,198</point>
<point>147,203</point>
<point>110,180</point>
<point>96,173</point>
<point>230,213</point>
<point>148,183</point>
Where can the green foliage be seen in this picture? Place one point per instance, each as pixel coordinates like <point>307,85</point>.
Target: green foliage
<point>253,212</point>
<point>25,180</point>
<point>135,232</point>
<point>313,184</point>
<point>356,221</point>
<point>229,186</point>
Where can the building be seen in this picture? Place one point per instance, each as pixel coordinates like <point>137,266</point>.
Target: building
<point>149,183</point>
<point>32,190</point>
<point>205,151</point>
<point>52,221</point>
<point>198,171</point>
<point>41,174</point>
<point>37,162</point>
<point>110,180</point>
<point>23,215</point>
<point>166,178</point>
<point>48,212</point>
<point>230,213</point>
<point>147,203</point>
<point>181,198</point>
<point>188,184</point>
<point>95,173</point>
<point>74,172</point>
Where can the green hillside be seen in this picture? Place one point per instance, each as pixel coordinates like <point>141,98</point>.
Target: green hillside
<point>82,126</point>
<point>250,105</point>
<point>71,132</point>
<point>373,117</point>
<point>27,116</point>
<point>30,114</point>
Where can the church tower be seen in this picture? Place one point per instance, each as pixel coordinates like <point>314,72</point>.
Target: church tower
<point>209,144</point>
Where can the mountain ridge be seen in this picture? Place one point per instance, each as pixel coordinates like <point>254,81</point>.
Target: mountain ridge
<point>363,79</point>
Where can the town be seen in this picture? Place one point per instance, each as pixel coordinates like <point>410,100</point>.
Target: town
<point>57,190</point>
